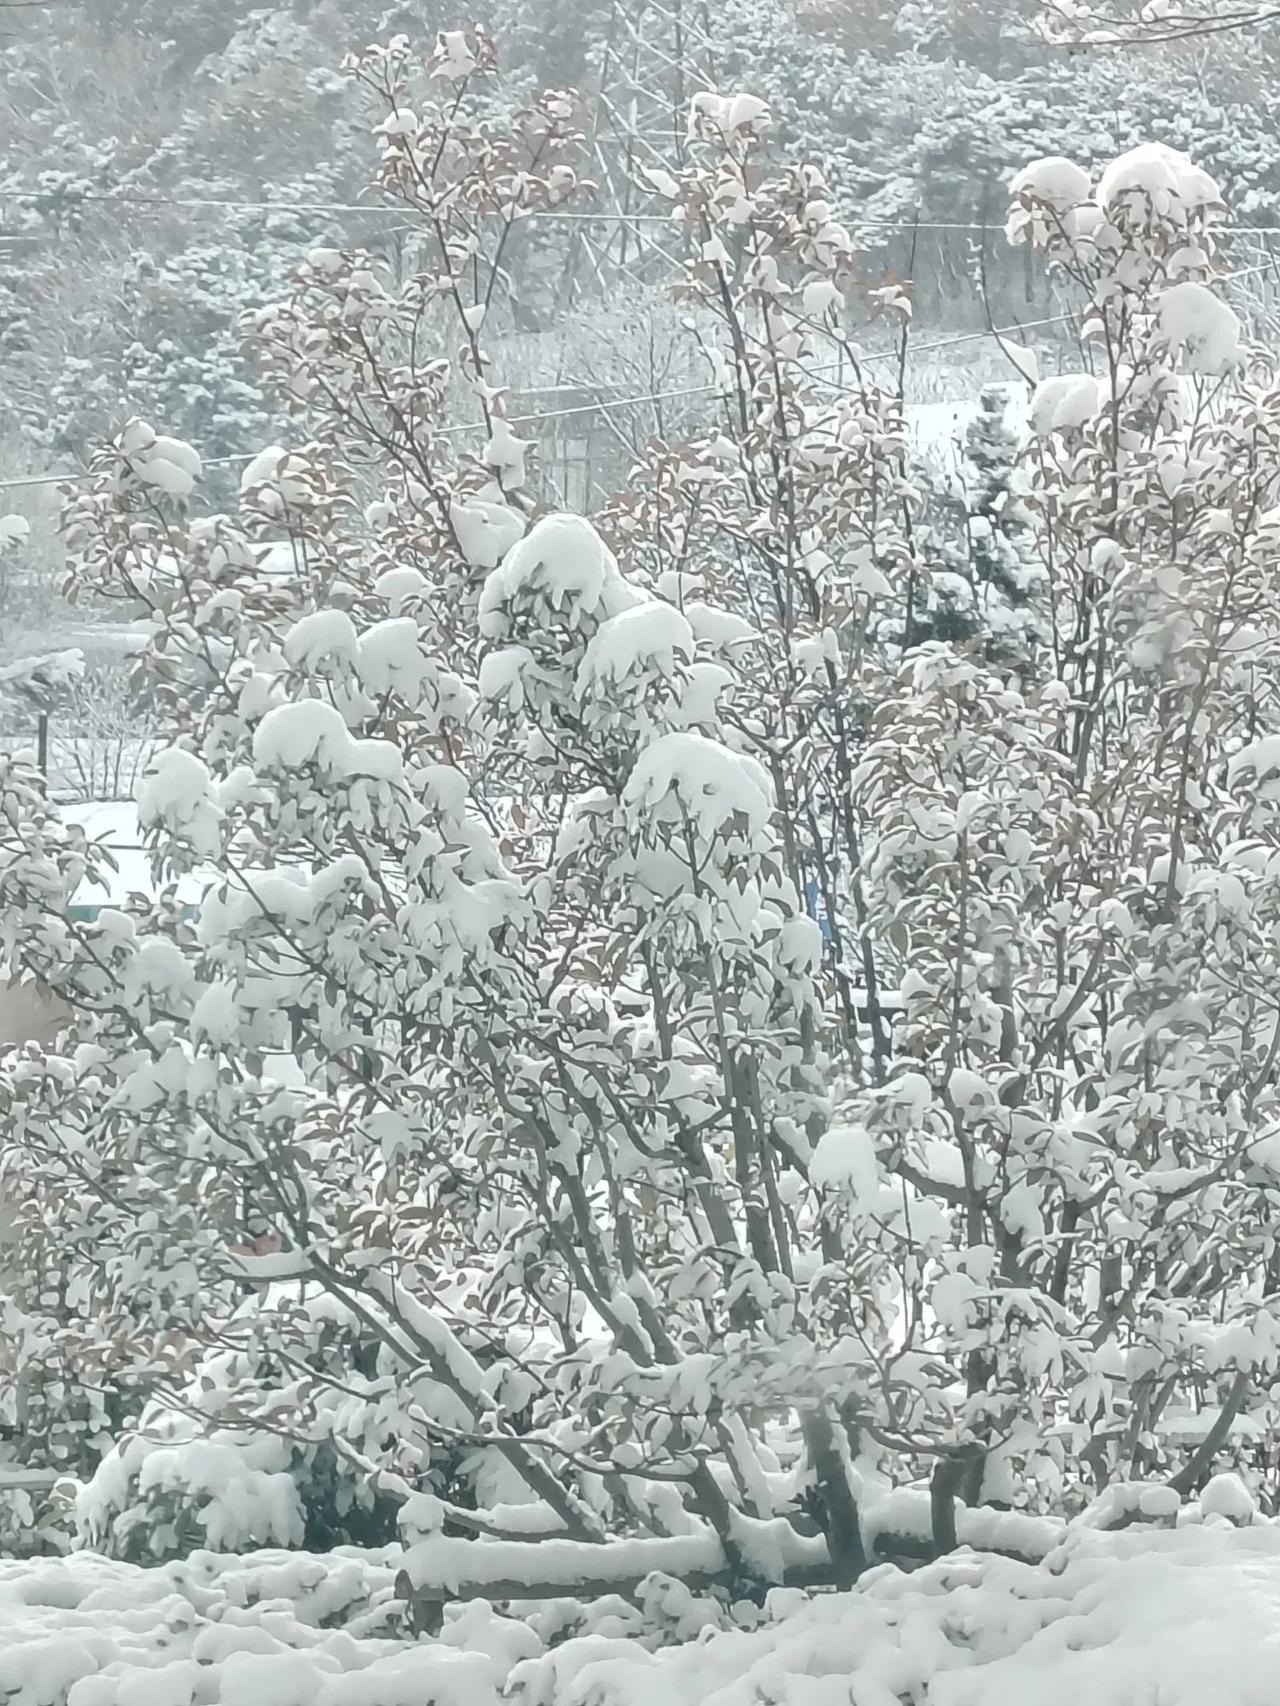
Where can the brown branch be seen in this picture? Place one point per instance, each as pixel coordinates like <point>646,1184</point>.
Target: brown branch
<point>1191,1473</point>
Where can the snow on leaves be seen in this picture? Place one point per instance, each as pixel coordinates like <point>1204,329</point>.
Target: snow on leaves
<point>712,1052</point>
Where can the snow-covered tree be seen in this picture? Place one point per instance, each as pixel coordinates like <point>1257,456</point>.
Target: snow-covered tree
<point>1076,872</point>
<point>985,581</point>
<point>500,1143</point>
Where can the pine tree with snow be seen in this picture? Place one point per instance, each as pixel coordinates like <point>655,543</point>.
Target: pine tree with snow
<point>982,581</point>
<point>1007,574</point>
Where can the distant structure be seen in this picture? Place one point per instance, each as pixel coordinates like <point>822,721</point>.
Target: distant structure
<point>656,55</point>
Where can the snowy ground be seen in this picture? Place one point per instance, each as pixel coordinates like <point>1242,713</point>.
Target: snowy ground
<point>114,825</point>
<point>1185,1615</point>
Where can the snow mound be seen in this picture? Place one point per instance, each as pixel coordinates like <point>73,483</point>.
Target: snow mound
<point>87,1631</point>
<point>1181,1616</point>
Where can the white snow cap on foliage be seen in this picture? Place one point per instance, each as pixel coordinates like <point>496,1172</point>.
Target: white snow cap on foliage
<point>1049,200</point>
<point>969,1090</point>
<point>177,794</point>
<point>1153,175</point>
<point>262,469</point>
<point>844,1160</point>
<point>399,586</point>
<point>1025,360</point>
<point>485,531</point>
<point>167,464</point>
<point>1062,403</point>
<point>561,559</point>
<point>719,628</point>
<point>14,530</point>
<point>1202,329</point>
<point>505,453</point>
<point>453,57</point>
<point>700,694</point>
<point>647,638</point>
<point>216,1017</point>
<point>689,775</point>
<point>1257,765</point>
<point>501,678</point>
<point>391,658</point>
<point>724,116</point>
<point>800,943</point>
<point>321,636</point>
<point>312,732</point>
<point>1055,180</point>
<point>42,672</point>
<point>325,260</point>
<point>275,480</point>
<point>244,1491</point>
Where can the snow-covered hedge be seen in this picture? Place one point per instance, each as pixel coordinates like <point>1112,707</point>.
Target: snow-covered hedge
<point>267,1444</point>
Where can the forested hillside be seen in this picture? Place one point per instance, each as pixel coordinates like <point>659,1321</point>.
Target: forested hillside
<point>163,162</point>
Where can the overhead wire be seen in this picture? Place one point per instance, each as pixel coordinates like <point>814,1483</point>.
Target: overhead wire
<point>554,216</point>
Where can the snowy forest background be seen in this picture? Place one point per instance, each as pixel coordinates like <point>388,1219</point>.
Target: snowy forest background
<point>639,858</point>
<point>163,166</point>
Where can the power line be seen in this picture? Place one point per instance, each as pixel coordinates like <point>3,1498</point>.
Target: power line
<point>555,215</point>
<point>446,432</point>
<point>206,203</point>
<point>607,406</point>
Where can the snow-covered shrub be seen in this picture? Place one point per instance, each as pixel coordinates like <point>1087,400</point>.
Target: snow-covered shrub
<point>1078,872</point>
<point>778,1095</point>
<point>268,1442</point>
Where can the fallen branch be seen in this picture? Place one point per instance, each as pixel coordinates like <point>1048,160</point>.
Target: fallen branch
<point>445,1568</point>
<point>15,1477</point>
